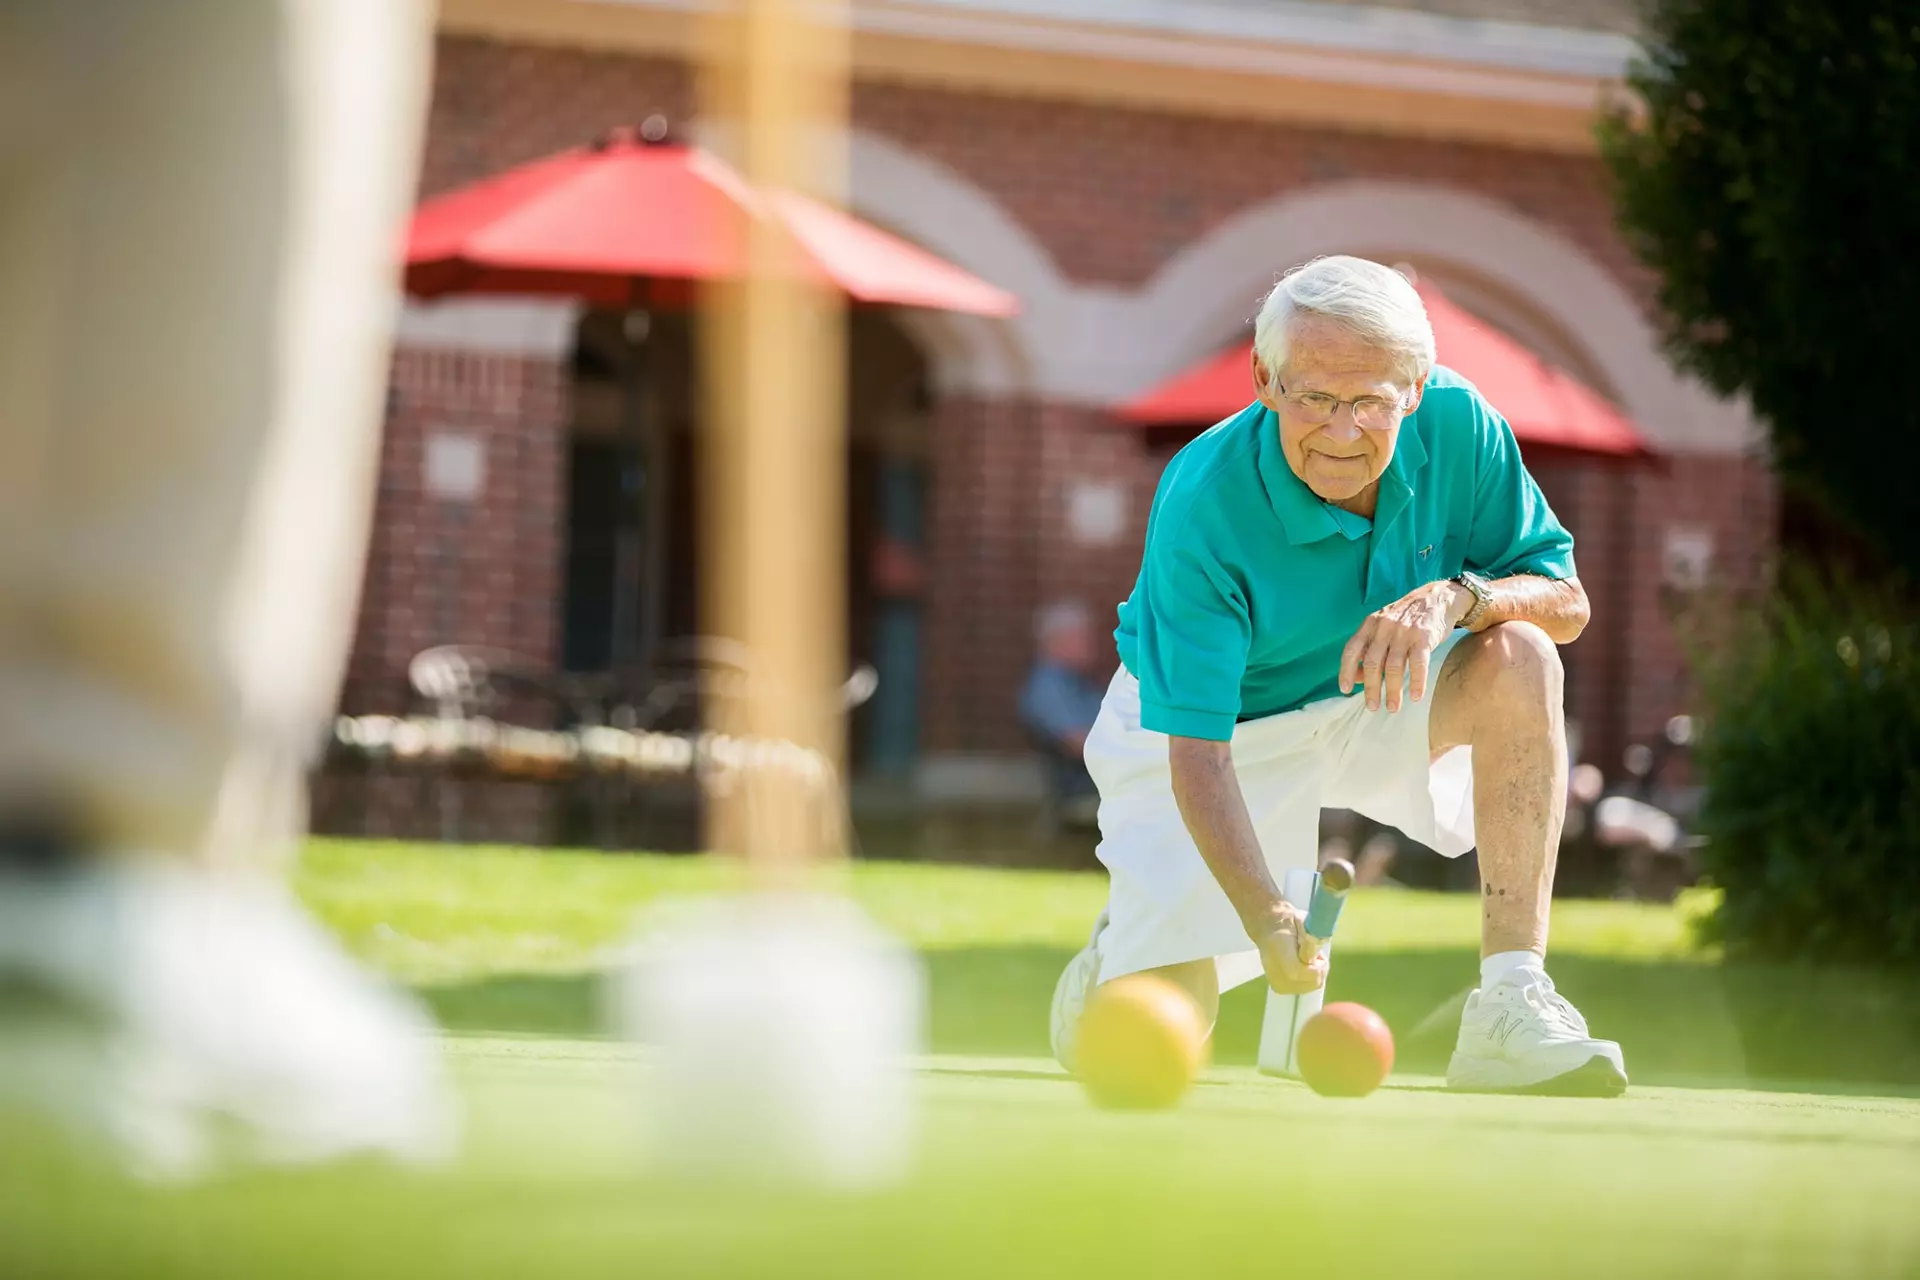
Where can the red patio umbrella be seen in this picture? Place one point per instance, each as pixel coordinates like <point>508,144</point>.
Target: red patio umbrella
<point>614,222</point>
<point>634,221</point>
<point>1548,408</point>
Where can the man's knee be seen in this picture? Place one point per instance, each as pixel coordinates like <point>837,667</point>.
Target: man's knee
<point>1510,674</point>
<point>1520,663</point>
<point>1199,979</point>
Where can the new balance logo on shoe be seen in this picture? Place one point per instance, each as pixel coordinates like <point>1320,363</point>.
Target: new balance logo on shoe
<point>1525,1037</point>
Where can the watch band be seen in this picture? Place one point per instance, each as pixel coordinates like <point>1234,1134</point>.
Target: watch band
<point>1475,586</point>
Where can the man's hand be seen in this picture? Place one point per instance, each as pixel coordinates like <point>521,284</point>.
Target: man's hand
<point>1399,640</point>
<point>1295,965</point>
<point>1208,793</point>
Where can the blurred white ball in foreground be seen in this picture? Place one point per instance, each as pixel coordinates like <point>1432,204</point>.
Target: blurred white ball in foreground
<point>780,1031</point>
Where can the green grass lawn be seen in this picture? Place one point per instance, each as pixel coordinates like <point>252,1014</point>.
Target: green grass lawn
<point>512,940</point>
<point>1019,1176</point>
<point>1698,1171</point>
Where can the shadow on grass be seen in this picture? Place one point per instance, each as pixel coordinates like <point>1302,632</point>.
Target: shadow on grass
<point>560,1005</point>
<point>1678,1022</point>
<point>1003,1073</point>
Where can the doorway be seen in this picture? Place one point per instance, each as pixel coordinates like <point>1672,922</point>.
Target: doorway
<point>888,408</point>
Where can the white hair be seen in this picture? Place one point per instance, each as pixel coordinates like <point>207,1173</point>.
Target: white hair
<point>1376,302</point>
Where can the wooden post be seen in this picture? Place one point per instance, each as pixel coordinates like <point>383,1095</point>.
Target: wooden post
<point>773,539</point>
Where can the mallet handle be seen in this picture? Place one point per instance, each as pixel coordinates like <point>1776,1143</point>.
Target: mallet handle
<point>1329,895</point>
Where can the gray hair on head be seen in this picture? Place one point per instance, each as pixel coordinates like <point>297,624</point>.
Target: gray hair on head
<point>1061,615</point>
<point>1376,302</point>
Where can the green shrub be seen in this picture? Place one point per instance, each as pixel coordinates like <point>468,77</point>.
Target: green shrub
<point>1811,760</point>
<point>1771,181</point>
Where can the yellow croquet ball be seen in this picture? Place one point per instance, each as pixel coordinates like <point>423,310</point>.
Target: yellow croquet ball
<point>1141,1043</point>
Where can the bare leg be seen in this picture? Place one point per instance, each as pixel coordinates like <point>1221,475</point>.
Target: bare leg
<point>1199,979</point>
<point>1501,693</point>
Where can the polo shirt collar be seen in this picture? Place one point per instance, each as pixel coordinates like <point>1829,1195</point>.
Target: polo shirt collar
<point>1304,516</point>
<point>1396,482</point>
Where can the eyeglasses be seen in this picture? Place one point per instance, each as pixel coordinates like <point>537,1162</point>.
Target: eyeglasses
<point>1373,413</point>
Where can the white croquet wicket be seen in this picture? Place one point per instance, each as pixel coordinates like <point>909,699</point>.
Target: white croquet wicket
<point>1280,1029</point>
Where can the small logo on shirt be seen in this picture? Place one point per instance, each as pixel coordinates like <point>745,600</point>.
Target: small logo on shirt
<point>1426,551</point>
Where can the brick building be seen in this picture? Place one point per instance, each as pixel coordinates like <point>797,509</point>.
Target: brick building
<point>1137,171</point>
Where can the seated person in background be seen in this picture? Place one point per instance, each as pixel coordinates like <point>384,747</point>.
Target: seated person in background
<point>1061,698</point>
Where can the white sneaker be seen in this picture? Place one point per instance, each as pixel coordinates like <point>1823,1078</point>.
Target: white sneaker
<point>1071,993</point>
<point>1523,1037</point>
<point>197,1020</point>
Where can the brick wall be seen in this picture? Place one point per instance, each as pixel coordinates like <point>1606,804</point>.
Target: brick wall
<point>1082,446</point>
<point>485,572</point>
<point>496,105</point>
<point>1112,195</point>
<point>1628,673</point>
<point>1591,500</point>
<point>1003,545</point>
<point>983,557</point>
<point>1735,500</point>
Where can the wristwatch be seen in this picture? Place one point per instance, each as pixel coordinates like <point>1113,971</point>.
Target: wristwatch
<point>1476,586</point>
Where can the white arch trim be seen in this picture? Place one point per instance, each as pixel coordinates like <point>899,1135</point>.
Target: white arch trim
<point>490,325</point>
<point>1209,291</point>
<point>946,214</point>
<point>1099,344</point>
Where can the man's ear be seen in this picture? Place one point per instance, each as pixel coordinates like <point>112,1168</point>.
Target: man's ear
<point>1265,388</point>
<point>1419,391</point>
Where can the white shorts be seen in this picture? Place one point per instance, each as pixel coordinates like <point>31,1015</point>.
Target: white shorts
<point>1165,906</point>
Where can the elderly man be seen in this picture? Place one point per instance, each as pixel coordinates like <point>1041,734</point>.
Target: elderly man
<point>1343,584</point>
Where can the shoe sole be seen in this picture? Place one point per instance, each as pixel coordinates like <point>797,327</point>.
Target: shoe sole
<point>1597,1077</point>
<point>1073,988</point>
<point>1060,1036</point>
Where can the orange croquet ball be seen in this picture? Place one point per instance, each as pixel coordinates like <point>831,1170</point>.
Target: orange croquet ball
<point>1141,1042</point>
<point>1345,1050</point>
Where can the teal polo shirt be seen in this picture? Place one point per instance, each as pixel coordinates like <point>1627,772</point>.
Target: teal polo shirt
<point>1251,586</point>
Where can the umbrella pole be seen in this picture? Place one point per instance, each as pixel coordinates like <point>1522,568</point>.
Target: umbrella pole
<point>655,495</point>
<point>636,557</point>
